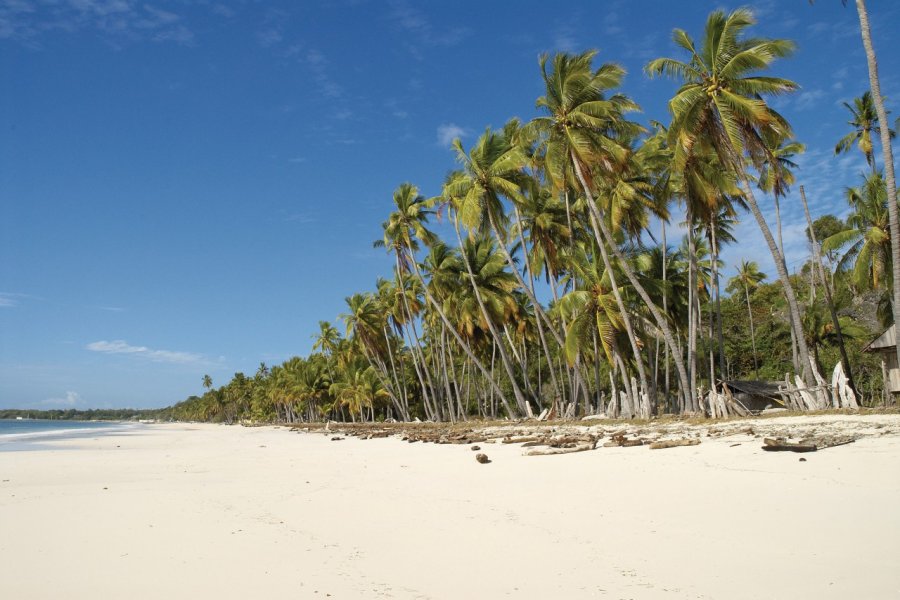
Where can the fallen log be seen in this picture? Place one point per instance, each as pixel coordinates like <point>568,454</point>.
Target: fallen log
<point>673,444</point>
<point>551,451</point>
<point>780,445</point>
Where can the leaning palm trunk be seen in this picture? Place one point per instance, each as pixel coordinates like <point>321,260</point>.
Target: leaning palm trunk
<point>462,343</point>
<point>720,342</point>
<point>809,368</point>
<point>629,273</point>
<point>888,156</point>
<point>504,357</point>
<point>538,309</point>
<point>752,332</point>
<point>817,259</point>
<point>692,320</point>
<point>626,317</point>
<point>795,358</point>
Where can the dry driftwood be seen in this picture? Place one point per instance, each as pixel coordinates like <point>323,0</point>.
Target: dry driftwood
<point>673,443</point>
<point>620,440</point>
<point>551,451</point>
<point>781,445</point>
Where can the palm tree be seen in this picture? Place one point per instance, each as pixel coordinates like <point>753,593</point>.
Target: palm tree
<point>866,241</point>
<point>748,278</point>
<point>492,170</point>
<point>864,121</point>
<point>578,134</point>
<point>820,330</point>
<point>719,105</point>
<point>407,225</point>
<point>207,382</point>
<point>887,155</point>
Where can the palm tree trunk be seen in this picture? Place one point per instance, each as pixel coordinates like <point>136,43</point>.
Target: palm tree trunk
<point>539,310</point>
<point>629,273</point>
<point>887,156</point>
<point>665,250</point>
<point>817,258</point>
<point>626,316</point>
<point>752,332</point>
<point>809,369</point>
<point>504,358</point>
<point>692,320</point>
<point>529,292</point>
<point>462,343</point>
<point>795,358</point>
<point>716,288</point>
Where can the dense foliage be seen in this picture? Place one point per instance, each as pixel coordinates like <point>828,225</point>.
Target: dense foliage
<point>554,292</point>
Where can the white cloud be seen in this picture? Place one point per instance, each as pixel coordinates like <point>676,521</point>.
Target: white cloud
<point>8,301</point>
<point>11,299</point>
<point>118,20</point>
<point>123,347</point>
<point>71,399</point>
<point>447,132</point>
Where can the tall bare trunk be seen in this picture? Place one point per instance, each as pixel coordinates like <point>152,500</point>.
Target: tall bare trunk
<point>504,358</point>
<point>817,259</point>
<point>809,369</point>
<point>752,331</point>
<point>462,343</point>
<point>629,273</point>
<point>887,155</point>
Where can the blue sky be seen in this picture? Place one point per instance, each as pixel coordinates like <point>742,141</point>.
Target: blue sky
<point>189,187</point>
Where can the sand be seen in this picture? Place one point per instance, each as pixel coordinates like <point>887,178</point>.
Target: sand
<point>206,511</point>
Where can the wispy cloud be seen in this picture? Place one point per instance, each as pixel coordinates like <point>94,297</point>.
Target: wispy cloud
<point>70,400</point>
<point>116,309</point>
<point>118,20</point>
<point>447,132</point>
<point>412,20</point>
<point>11,299</point>
<point>143,352</point>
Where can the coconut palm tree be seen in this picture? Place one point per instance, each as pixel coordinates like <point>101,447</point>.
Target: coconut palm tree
<point>863,122</point>
<point>748,278</point>
<point>492,170</point>
<point>578,133</point>
<point>406,224</point>
<point>207,382</point>
<point>720,106</point>
<point>866,242</point>
<point>887,155</point>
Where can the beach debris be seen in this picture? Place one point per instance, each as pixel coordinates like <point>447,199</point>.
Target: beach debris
<point>597,417</point>
<point>619,439</point>
<point>673,443</point>
<point>802,459</point>
<point>336,439</point>
<point>551,451</point>
<point>476,448</point>
<point>482,458</point>
<point>544,414</point>
<point>782,445</point>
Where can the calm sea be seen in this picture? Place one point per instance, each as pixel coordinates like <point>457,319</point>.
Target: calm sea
<point>28,434</point>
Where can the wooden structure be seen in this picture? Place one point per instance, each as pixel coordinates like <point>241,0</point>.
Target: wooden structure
<point>756,396</point>
<point>886,347</point>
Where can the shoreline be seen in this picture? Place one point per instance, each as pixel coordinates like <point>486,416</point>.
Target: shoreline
<point>193,510</point>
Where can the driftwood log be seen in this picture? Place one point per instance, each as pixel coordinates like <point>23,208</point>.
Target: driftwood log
<point>551,451</point>
<point>781,445</point>
<point>673,443</point>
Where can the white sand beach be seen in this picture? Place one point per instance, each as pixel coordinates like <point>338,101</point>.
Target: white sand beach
<point>205,511</point>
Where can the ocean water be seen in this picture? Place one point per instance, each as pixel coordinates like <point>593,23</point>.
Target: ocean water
<point>30,434</point>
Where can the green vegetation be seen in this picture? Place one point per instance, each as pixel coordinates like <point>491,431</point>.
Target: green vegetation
<point>560,208</point>
<point>97,414</point>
